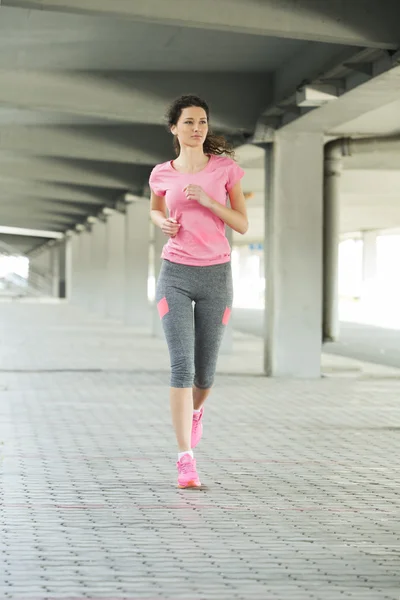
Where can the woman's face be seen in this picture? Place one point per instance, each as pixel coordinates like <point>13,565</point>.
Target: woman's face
<point>192,127</point>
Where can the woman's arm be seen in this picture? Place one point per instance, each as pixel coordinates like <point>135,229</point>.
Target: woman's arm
<point>158,209</point>
<point>235,217</point>
<point>158,214</point>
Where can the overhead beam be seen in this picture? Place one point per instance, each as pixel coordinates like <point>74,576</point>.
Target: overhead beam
<point>369,96</point>
<point>140,144</point>
<point>53,191</point>
<point>333,21</point>
<point>42,223</point>
<point>19,231</point>
<point>307,64</point>
<point>34,205</point>
<point>61,219</point>
<point>23,245</point>
<point>141,98</point>
<point>84,173</point>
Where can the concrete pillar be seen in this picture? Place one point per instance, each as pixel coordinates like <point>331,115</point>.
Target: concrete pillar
<point>68,266</point>
<point>62,268</point>
<point>331,240</point>
<point>115,265</point>
<point>99,272</point>
<point>75,269</point>
<point>159,239</point>
<point>55,270</point>
<point>86,270</point>
<point>137,240</point>
<point>81,271</point>
<point>293,243</point>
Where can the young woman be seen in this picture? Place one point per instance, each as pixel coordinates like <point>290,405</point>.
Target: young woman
<point>196,264</point>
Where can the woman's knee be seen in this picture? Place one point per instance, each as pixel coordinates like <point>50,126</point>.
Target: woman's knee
<point>204,380</point>
<point>182,374</point>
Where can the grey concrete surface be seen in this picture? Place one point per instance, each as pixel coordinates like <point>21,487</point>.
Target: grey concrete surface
<point>358,341</point>
<point>82,112</point>
<point>293,254</point>
<point>295,19</point>
<point>300,478</point>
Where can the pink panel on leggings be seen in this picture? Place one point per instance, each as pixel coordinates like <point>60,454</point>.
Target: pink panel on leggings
<point>227,316</point>
<point>163,307</point>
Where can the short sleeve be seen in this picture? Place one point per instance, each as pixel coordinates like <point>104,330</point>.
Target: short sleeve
<point>155,182</point>
<point>235,174</point>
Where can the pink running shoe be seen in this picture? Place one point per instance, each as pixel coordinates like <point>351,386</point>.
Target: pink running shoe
<point>197,427</point>
<point>187,474</point>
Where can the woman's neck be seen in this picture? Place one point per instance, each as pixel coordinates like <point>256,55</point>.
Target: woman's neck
<point>191,158</point>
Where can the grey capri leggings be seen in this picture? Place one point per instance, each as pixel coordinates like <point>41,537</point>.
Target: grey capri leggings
<point>194,331</point>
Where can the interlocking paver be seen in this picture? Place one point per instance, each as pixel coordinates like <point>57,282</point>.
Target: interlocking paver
<point>301,497</point>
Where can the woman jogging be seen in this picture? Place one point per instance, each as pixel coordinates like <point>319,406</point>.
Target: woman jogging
<point>196,266</point>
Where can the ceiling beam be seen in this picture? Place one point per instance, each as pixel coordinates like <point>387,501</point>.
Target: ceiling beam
<point>307,64</point>
<point>53,191</point>
<point>33,205</point>
<point>140,98</point>
<point>7,214</point>
<point>366,97</point>
<point>140,144</point>
<point>18,231</point>
<point>334,21</point>
<point>84,173</point>
<point>42,223</point>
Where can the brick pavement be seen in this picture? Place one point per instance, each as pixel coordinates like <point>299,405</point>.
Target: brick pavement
<point>301,478</point>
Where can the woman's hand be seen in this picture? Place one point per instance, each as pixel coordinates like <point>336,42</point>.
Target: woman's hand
<point>170,227</point>
<point>196,192</point>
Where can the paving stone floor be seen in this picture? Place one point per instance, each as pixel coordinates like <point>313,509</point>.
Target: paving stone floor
<point>301,478</point>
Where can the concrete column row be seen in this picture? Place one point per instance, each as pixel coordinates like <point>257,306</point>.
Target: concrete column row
<point>109,269</point>
<point>109,263</point>
<point>108,266</point>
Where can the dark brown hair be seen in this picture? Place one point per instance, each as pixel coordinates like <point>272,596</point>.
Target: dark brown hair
<point>213,144</point>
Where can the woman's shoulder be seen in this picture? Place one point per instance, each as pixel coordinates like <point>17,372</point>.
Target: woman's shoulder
<point>223,161</point>
<point>229,165</point>
<point>161,167</point>
<point>159,174</point>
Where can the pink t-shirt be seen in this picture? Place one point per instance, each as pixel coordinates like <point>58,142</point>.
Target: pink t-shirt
<point>201,239</point>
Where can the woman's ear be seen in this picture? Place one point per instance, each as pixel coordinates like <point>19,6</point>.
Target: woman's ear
<point>173,129</point>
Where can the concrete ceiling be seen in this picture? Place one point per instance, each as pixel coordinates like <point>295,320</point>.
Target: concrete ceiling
<point>384,120</point>
<point>83,92</point>
<point>22,243</point>
<point>50,41</point>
